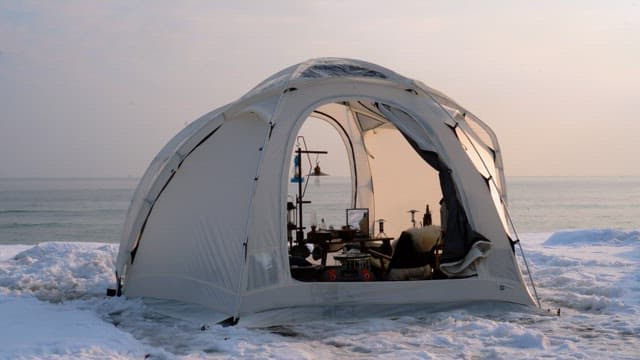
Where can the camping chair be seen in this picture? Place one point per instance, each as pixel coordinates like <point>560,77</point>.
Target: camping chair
<point>415,255</point>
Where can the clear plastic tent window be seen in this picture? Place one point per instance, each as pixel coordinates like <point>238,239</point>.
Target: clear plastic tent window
<point>338,70</point>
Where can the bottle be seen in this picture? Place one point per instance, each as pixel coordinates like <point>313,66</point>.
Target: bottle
<point>426,218</point>
<point>323,225</point>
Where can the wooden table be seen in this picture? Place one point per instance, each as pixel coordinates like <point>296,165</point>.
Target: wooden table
<point>334,240</point>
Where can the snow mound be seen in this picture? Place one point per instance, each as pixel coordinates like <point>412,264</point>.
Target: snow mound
<point>55,331</point>
<point>57,271</point>
<point>593,237</point>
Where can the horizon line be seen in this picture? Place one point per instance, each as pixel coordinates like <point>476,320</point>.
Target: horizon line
<point>139,177</point>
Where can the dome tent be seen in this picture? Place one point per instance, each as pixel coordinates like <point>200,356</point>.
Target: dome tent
<point>207,223</point>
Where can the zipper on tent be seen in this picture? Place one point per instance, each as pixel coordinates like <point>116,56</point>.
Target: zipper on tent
<point>132,253</point>
<point>270,132</point>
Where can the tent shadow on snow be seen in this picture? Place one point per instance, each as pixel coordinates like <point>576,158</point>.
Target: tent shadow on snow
<point>209,225</point>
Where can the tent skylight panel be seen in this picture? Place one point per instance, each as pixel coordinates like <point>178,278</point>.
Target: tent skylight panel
<point>339,70</point>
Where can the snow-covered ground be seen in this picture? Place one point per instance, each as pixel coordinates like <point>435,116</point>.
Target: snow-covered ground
<point>52,305</point>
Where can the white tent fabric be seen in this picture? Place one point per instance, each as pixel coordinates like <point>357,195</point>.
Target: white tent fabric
<point>207,223</point>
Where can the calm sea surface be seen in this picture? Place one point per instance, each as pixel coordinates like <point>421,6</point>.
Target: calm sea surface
<point>37,210</point>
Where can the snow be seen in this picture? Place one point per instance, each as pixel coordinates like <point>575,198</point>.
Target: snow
<point>39,329</point>
<point>52,305</point>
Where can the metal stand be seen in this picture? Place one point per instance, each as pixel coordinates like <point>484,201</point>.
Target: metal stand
<point>297,177</point>
<point>413,216</point>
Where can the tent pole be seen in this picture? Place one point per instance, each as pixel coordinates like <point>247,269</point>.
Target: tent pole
<point>299,231</point>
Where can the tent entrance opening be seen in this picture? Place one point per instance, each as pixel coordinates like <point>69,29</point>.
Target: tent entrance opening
<point>372,211</point>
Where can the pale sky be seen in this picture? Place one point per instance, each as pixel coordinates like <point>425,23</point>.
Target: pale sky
<point>95,89</point>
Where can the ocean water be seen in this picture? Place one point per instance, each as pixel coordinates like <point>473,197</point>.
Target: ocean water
<point>93,210</point>
<point>37,210</point>
<point>58,242</point>
<point>545,204</point>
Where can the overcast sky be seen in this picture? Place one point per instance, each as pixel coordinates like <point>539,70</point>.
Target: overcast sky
<point>95,89</point>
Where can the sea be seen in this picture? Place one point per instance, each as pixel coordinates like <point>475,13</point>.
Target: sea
<point>581,236</point>
<point>34,210</point>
